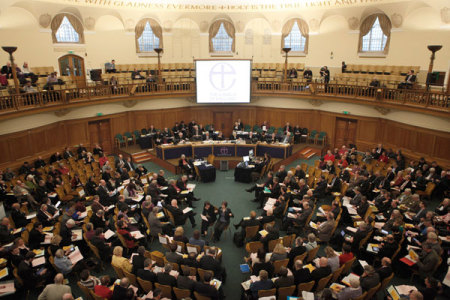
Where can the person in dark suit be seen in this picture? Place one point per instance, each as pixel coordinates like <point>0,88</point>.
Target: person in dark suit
<point>298,249</point>
<point>184,164</point>
<point>19,218</point>
<point>98,240</point>
<point>210,212</point>
<point>272,234</point>
<point>66,232</point>
<point>165,278</point>
<point>182,186</point>
<point>7,70</point>
<point>138,260</point>
<point>284,280</point>
<point>191,260</point>
<point>301,274</point>
<point>122,291</point>
<point>322,271</point>
<point>409,81</point>
<point>179,216</point>
<point>369,278</point>
<point>160,179</point>
<point>36,236</point>
<point>247,222</point>
<point>362,207</point>
<point>146,272</point>
<point>321,188</point>
<point>209,262</point>
<point>385,270</point>
<point>29,276</point>
<point>206,289</point>
<point>173,256</point>
<point>264,283</point>
<point>360,234</point>
<point>183,280</point>
<point>223,220</point>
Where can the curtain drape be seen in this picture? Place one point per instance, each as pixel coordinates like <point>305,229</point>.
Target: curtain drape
<point>229,28</point>
<point>213,30</point>
<point>304,29</point>
<point>287,28</point>
<point>56,22</point>
<point>367,24</point>
<point>139,29</point>
<point>76,24</point>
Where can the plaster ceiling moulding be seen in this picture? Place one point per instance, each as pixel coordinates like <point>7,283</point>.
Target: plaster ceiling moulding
<point>445,15</point>
<point>168,25</point>
<point>89,22</point>
<point>129,25</point>
<point>45,20</point>
<point>353,23</point>
<point>314,25</point>
<point>204,26</point>
<point>397,20</point>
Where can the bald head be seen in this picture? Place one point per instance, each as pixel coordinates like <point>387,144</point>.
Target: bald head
<point>323,262</point>
<point>59,278</point>
<point>124,282</point>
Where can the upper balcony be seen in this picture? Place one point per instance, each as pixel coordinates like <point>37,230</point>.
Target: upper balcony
<point>434,103</point>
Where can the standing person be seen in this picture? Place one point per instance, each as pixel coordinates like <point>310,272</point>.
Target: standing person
<point>223,221</point>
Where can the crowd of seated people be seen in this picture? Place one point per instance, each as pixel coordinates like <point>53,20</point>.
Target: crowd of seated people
<point>106,214</point>
<point>378,214</point>
<point>372,203</point>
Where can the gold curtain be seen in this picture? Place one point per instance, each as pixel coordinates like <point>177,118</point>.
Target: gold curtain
<point>213,30</point>
<point>76,24</point>
<point>56,22</point>
<point>365,27</point>
<point>286,30</point>
<point>229,28</point>
<point>304,29</point>
<point>139,29</point>
<point>386,26</point>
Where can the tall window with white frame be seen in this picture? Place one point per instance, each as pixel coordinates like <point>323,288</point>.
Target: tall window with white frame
<point>375,39</point>
<point>222,41</point>
<point>295,40</point>
<point>148,41</point>
<point>66,33</point>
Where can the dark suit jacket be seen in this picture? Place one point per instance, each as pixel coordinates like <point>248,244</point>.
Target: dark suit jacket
<point>166,279</point>
<point>178,215</point>
<point>206,290</point>
<point>102,247</point>
<point>35,239</point>
<point>284,281</point>
<point>161,181</point>
<point>138,263</point>
<point>302,275</point>
<point>19,218</point>
<point>29,277</point>
<point>295,252</point>
<point>319,191</point>
<point>320,273</point>
<point>146,275</point>
<point>210,263</point>
<point>120,293</point>
<point>184,282</point>
<point>369,282</point>
<point>384,272</point>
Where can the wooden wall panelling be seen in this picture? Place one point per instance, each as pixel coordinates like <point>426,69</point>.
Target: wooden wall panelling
<point>140,120</point>
<point>119,123</point>
<point>327,123</point>
<point>425,142</point>
<point>20,145</point>
<point>442,147</point>
<point>367,131</point>
<point>77,132</point>
<point>5,150</point>
<point>56,137</point>
<point>40,140</point>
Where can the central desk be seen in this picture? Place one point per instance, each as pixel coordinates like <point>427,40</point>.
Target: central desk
<point>220,149</point>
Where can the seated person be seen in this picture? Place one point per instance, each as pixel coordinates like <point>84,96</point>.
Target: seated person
<point>264,283</point>
<point>103,289</point>
<point>351,292</point>
<point>369,278</point>
<point>301,274</point>
<point>409,81</point>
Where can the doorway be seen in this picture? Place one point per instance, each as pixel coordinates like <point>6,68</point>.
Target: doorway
<point>345,132</point>
<point>100,133</point>
<point>72,66</point>
<point>223,121</point>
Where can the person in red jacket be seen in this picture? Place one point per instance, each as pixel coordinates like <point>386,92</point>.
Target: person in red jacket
<point>123,230</point>
<point>103,290</point>
<point>329,156</point>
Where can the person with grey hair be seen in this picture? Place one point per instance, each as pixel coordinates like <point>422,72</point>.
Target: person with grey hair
<point>351,292</point>
<point>66,232</point>
<point>55,291</point>
<point>146,272</point>
<point>300,274</point>
<point>428,260</point>
<point>123,291</point>
<point>369,278</point>
<point>165,277</point>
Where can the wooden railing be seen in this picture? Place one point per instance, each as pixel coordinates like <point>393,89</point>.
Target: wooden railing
<point>433,102</point>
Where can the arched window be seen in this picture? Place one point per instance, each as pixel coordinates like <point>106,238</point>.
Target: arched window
<point>148,35</point>
<point>221,37</point>
<point>375,32</point>
<point>295,35</point>
<point>66,28</point>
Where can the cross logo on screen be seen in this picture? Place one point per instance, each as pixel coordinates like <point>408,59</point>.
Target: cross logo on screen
<point>222,76</point>
<point>224,151</point>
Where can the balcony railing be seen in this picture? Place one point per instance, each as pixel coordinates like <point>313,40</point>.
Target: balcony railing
<point>61,97</point>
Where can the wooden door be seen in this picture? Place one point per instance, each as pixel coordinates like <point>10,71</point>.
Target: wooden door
<point>223,121</point>
<point>72,66</point>
<point>345,132</point>
<point>100,133</point>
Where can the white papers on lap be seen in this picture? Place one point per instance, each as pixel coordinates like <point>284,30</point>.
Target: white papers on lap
<point>351,210</point>
<point>191,249</point>
<point>31,216</point>
<point>75,256</point>
<point>187,209</point>
<point>38,261</point>
<point>346,279</point>
<point>52,195</point>
<point>185,192</point>
<point>351,229</point>
<point>296,208</point>
<point>7,287</point>
<point>137,234</point>
<point>307,295</point>
<point>110,207</point>
<point>346,201</point>
<point>379,225</point>
<point>137,198</point>
<point>47,239</point>
<point>163,239</point>
<point>405,289</point>
<point>204,218</point>
<point>271,201</point>
<point>313,225</point>
<point>109,233</point>
<point>79,233</point>
<point>363,263</point>
<point>190,186</point>
<point>174,273</point>
<point>83,215</point>
<point>291,215</point>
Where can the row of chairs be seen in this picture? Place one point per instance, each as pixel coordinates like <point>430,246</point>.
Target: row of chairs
<point>381,69</point>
